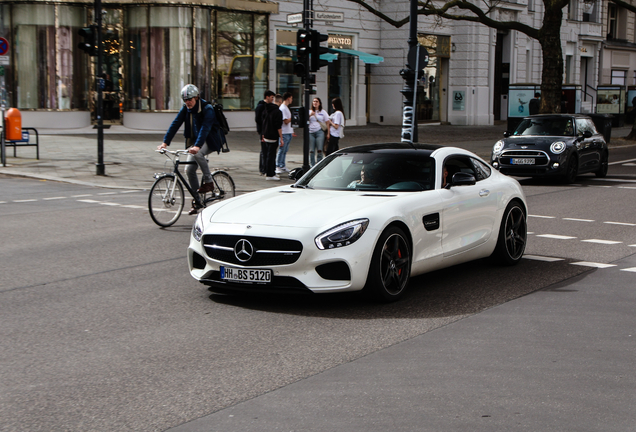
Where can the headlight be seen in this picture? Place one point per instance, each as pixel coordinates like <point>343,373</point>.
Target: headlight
<point>197,228</point>
<point>557,147</point>
<point>342,235</point>
<point>498,147</point>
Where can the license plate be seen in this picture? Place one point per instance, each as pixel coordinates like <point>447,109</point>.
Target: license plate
<point>522,161</point>
<point>261,276</point>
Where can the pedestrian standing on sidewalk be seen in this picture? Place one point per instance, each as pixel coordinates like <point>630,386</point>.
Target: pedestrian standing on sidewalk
<point>336,123</point>
<point>288,132</point>
<point>258,118</point>
<point>272,136</point>
<point>318,118</point>
<point>203,136</point>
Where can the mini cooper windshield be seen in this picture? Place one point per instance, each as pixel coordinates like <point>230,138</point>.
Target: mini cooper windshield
<point>552,126</point>
<point>374,171</point>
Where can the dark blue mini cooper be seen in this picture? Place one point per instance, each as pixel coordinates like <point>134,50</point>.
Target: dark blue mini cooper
<point>552,145</point>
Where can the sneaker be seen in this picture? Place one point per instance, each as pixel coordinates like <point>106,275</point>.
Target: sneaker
<point>284,169</point>
<point>193,211</point>
<point>274,178</point>
<point>279,170</point>
<point>207,187</point>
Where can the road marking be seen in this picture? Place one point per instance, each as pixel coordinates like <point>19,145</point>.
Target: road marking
<point>620,223</point>
<point>134,206</point>
<point>23,201</point>
<point>554,236</point>
<point>627,187</point>
<point>81,196</point>
<point>542,217</point>
<point>110,203</point>
<point>578,220</point>
<point>3,202</point>
<point>608,242</point>
<point>631,269</point>
<point>107,193</point>
<point>621,162</point>
<point>615,180</point>
<point>53,198</point>
<point>542,258</point>
<point>89,201</point>
<point>129,191</point>
<point>593,264</point>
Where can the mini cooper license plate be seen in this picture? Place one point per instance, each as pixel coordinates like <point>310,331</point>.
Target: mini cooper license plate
<point>246,275</point>
<point>522,161</point>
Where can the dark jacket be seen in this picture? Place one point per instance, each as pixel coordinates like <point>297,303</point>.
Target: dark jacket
<point>200,124</point>
<point>272,121</point>
<point>258,116</point>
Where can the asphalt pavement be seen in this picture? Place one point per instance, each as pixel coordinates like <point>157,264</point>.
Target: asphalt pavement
<point>557,359</point>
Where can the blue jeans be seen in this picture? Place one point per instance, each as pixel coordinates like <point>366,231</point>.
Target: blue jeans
<point>316,140</point>
<point>282,151</point>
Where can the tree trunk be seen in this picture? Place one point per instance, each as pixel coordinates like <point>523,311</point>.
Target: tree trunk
<point>552,73</point>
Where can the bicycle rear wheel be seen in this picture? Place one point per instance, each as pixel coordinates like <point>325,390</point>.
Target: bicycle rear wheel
<point>166,200</point>
<point>223,187</point>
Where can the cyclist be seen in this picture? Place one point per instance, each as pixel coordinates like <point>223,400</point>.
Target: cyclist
<point>203,136</point>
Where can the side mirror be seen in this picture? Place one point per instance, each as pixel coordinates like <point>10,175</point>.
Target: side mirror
<point>506,134</point>
<point>462,179</point>
<point>296,173</point>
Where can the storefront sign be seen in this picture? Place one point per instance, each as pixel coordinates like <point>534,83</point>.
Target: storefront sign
<point>518,99</point>
<point>459,98</point>
<point>340,41</point>
<point>610,100</point>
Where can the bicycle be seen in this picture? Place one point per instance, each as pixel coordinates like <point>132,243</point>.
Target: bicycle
<point>166,198</point>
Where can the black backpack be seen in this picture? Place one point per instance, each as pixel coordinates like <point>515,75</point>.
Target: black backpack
<point>220,117</point>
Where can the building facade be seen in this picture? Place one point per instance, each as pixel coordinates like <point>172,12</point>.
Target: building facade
<point>235,50</point>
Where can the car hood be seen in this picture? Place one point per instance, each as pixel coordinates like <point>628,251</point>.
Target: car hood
<point>298,208</point>
<point>535,140</point>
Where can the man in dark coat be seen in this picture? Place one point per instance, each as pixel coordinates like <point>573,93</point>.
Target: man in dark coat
<point>258,118</point>
<point>272,136</point>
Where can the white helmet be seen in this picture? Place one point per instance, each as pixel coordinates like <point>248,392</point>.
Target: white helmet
<point>189,91</point>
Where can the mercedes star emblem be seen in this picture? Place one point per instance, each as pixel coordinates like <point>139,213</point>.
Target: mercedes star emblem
<point>243,250</point>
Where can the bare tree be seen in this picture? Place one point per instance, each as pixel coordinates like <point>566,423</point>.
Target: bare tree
<point>548,35</point>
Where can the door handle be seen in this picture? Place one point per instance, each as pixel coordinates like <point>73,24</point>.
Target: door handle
<point>484,193</point>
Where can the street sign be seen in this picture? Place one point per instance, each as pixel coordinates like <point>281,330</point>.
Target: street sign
<point>294,18</point>
<point>329,16</point>
<point>4,46</point>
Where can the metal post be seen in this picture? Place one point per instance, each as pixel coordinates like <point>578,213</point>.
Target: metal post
<point>409,116</point>
<point>4,130</point>
<point>99,80</point>
<point>307,12</point>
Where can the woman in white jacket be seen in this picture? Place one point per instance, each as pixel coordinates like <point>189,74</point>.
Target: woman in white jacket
<point>317,118</point>
<point>336,123</point>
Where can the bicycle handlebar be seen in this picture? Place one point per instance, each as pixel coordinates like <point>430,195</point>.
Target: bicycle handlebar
<point>176,152</point>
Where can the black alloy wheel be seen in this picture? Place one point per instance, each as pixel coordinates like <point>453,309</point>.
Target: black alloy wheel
<point>604,167</point>
<point>390,268</point>
<point>572,169</point>
<point>513,235</point>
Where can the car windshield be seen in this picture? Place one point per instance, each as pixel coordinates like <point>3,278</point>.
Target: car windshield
<point>406,172</point>
<point>560,126</point>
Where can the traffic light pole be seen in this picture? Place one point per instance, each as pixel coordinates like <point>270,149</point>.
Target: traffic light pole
<point>99,80</point>
<point>410,74</point>
<point>307,11</point>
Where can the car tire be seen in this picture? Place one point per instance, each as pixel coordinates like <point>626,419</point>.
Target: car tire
<point>571,170</point>
<point>602,170</point>
<point>390,268</point>
<point>513,235</point>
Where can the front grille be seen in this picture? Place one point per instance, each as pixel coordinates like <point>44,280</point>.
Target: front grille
<point>267,251</point>
<point>540,158</point>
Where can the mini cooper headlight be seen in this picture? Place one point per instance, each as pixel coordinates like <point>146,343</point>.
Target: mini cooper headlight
<point>557,147</point>
<point>498,147</point>
<point>342,235</point>
<point>197,228</point>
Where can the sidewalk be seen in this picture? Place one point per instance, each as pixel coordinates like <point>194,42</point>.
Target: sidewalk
<point>130,161</point>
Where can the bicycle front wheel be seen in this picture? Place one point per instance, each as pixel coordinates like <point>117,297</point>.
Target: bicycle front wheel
<point>223,187</point>
<point>166,200</point>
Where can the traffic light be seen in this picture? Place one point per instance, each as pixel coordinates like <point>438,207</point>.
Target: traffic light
<point>89,45</point>
<point>303,47</point>
<point>316,50</point>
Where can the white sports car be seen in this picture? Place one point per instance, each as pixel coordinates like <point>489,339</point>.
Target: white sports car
<point>364,218</point>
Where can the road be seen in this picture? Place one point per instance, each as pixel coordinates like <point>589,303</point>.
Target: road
<point>102,328</point>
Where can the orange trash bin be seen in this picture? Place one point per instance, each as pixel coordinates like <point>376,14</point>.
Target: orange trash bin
<point>13,125</point>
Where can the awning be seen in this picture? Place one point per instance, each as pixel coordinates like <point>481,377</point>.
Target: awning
<point>333,54</point>
<point>365,57</point>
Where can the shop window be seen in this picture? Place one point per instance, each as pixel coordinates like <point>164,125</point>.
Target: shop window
<point>340,76</point>
<point>286,79</point>
<point>50,71</point>
<point>235,60</point>
<point>136,54</point>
